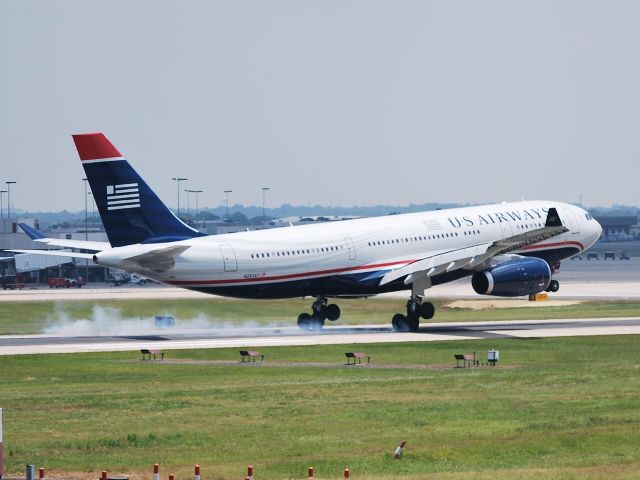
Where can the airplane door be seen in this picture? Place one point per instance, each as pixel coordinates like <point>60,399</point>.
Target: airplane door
<point>571,221</point>
<point>506,229</point>
<point>229,257</point>
<point>351,247</point>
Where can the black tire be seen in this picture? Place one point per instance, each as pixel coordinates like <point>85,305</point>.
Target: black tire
<point>67,283</point>
<point>332,312</point>
<point>413,322</point>
<point>316,323</point>
<point>554,286</point>
<point>399,323</point>
<point>427,310</point>
<point>303,321</point>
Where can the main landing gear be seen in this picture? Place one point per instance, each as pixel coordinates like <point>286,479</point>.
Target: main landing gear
<point>416,309</point>
<point>321,310</point>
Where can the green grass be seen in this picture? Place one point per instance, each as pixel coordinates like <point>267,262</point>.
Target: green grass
<point>556,408</point>
<point>33,317</point>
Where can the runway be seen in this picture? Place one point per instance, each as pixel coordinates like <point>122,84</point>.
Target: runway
<point>332,335</point>
<point>580,281</point>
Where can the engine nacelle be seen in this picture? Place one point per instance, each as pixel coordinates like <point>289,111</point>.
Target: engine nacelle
<point>513,278</point>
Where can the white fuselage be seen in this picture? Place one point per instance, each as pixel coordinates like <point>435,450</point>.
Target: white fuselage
<point>342,258</point>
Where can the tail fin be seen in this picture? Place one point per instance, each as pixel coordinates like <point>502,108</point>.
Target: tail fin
<point>130,211</point>
<point>32,233</point>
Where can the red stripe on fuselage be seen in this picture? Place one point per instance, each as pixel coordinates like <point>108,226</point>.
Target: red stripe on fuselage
<point>338,270</point>
<point>290,275</point>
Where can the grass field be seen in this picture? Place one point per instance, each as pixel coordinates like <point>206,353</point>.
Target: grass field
<point>558,408</point>
<point>34,317</point>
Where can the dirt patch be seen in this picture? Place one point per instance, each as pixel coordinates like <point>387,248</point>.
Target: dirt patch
<point>508,303</point>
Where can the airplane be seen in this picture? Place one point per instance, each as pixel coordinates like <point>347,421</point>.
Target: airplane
<point>508,249</point>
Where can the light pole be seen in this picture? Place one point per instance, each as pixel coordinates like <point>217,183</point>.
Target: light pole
<point>1,208</point>
<point>264,194</point>
<point>196,192</point>
<point>227,192</point>
<point>93,207</point>
<point>9,183</point>
<point>86,229</point>
<point>86,211</point>
<point>188,192</point>
<point>179,179</point>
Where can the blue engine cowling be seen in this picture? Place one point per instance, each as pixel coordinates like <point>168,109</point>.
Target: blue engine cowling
<point>513,278</point>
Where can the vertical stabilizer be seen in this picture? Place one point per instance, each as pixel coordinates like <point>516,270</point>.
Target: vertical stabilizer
<point>131,212</point>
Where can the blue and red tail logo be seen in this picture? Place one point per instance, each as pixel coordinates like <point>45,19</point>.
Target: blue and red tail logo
<point>131,212</point>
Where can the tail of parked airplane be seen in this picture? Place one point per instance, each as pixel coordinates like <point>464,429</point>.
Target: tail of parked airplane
<point>131,212</point>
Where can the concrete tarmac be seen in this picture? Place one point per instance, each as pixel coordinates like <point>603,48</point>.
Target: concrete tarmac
<point>332,335</point>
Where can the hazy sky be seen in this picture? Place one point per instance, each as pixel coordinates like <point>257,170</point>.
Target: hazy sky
<point>326,102</point>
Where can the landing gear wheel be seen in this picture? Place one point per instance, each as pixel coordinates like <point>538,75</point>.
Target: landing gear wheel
<point>304,319</point>
<point>413,322</point>
<point>399,323</point>
<point>332,312</point>
<point>554,286</point>
<point>310,322</point>
<point>427,310</point>
<point>316,323</point>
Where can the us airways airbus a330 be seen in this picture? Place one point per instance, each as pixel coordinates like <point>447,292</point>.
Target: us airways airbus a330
<point>508,249</point>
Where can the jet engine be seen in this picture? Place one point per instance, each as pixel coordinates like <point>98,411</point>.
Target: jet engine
<point>513,278</point>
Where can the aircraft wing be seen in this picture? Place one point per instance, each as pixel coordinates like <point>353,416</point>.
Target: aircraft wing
<point>37,236</point>
<point>474,256</point>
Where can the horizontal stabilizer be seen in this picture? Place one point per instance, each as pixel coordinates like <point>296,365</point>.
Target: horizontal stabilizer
<point>57,253</point>
<point>38,236</point>
<point>158,259</point>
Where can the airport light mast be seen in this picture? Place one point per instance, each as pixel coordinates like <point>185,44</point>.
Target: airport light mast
<point>179,179</point>
<point>264,193</point>
<point>227,192</point>
<point>196,192</point>
<point>1,207</point>
<point>9,183</point>
<point>86,230</point>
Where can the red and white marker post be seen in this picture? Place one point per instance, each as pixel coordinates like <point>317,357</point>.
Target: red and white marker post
<point>1,448</point>
<point>399,450</point>
<point>41,473</point>
<point>311,473</point>
<point>156,471</point>
<point>249,473</point>
<point>196,472</point>
<point>346,473</point>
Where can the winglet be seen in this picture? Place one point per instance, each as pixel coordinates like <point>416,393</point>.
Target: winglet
<point>32,233</point>
<point>553,219</point>
<point>94,146</point>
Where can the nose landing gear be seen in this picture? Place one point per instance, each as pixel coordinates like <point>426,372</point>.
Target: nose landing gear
<point>321,310</point>
<point>554,285</point>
